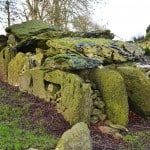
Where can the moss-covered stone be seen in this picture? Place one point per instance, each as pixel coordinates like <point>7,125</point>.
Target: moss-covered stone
<point>112,87</point>
<point>38,83</point>
<point>75,99</point>
<point>5,57</point>
<point>26,82</point>
<point>71,62</point>
<point>138,88</point>
<point>32,27</point>
<point>75,96</point>
<point>76,138</point>
<point>17,65</point>
<point>56,76</point>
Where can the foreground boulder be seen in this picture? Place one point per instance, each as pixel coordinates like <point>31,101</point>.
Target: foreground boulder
<point>138,88</point>
<point>112,87</point>
<point>77,138</point>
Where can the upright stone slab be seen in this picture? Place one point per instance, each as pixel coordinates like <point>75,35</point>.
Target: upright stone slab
<point>26,82</point>
<point>16,67</point>
<point>114,94</point>
<point>76,138</point>
<point>138,88</point>
<point>5,57</point>
<point>75,101</point>
<point>38,84</point>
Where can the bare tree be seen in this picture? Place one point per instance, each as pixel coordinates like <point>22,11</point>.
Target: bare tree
<point>9,12</point>
<point>60,13</point>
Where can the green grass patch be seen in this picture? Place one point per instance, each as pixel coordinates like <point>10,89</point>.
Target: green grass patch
<point>13,138</point>
<point>12,135</point>
<point>138,140</point>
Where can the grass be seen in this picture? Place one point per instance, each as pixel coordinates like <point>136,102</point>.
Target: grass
<point>18,132</point>
<point>136,141</point>
<point>12,135</point>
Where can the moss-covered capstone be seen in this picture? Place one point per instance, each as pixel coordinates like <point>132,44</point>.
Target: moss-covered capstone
<point>138,88</point>
<point>114,94</point>
<point>17,65</point>
<point>76,138</point>
<point>70,62</point>
<point>32,27</point>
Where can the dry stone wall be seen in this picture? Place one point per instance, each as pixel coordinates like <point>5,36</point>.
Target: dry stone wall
<point>69,69</point>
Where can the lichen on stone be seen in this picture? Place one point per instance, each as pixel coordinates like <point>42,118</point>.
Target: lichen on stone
<point>114,94</point>
<point>138,88</point>
<point>17,65</point>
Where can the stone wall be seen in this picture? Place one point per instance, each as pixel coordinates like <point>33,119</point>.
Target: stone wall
<point>71,72</point>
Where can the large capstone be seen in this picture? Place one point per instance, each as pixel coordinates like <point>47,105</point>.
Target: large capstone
<point>29,28</point>
<point>71,62</point>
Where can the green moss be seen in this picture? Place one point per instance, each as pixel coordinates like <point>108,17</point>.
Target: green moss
<point>26,82</point>
<point>138,88</point>
<point>16,66</point>
<point>39,88</point>
<point>26,28</point>
<point>5,57</point>
<point>55,76</point>
<point>75,99</point>
<point>111,84</point>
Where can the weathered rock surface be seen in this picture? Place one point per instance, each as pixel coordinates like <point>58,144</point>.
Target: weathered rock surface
<point>138,88</point>
<point>114,94</point>
<point>17,65</point>
<point>70,62</point>
<point>55,65</point>
<point>29,28</point>
<point>76,97</point>
<point>5,57</point>
<point>77,138</point>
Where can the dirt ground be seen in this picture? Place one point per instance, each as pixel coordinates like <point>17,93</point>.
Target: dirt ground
<point>138,137</point>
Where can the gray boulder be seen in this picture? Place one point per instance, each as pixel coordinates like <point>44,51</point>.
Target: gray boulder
<point>77,138</point>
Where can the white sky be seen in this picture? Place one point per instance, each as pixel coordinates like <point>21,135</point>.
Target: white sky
<point>125,18</point>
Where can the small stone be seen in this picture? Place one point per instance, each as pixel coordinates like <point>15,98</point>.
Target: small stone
<point>111,131</point>
<point>94,119</point>
<point>116,126</point>
<point>97,92</point>
<point>94,96</point>
<point>99,104</point>
<point>99,114</point>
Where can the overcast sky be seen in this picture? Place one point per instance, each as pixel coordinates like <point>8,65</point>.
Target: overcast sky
<point>125,18</point>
